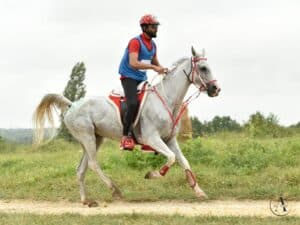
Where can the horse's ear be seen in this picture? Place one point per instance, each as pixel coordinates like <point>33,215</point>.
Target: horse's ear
<point>193,51</point>
<point>203,52</point>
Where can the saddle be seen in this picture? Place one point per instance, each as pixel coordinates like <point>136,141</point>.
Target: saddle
<point>118,100</point>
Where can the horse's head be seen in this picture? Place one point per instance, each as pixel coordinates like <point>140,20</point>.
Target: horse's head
<point>201,75</point>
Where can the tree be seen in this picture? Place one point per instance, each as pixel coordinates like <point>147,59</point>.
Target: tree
<point>297,125</point>
<point>224,123</point>
<point>75,88</point>
<point>217,124</point>
<point>74,91</point>
<point>197,127</point>
<point>261,126</point>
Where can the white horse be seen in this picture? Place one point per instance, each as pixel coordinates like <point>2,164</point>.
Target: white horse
<point>90,120</point>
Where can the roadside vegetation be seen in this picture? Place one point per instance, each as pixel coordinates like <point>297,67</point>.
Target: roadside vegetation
<point>227,166</point>
<point>137,219</point>
<point>257,160</point>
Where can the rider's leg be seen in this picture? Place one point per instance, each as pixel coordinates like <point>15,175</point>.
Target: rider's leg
<point>130,89</point>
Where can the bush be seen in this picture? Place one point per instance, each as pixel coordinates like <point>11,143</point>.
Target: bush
<point>196,153</point>
<point>139,160</point>
<point>261,126</point>
<point>6,146</point>
<point>251,156</point>
<point>246,157</point>
<point>56,144</point>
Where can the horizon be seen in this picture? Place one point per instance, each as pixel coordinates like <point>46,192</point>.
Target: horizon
<point>190,116</point>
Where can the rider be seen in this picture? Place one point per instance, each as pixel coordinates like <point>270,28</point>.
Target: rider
<point>140,55</point>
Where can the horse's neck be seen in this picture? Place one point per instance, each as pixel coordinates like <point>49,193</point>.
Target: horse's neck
<point>175,87</point>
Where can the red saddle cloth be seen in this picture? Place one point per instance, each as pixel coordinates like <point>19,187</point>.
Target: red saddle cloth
<point>117,99</point>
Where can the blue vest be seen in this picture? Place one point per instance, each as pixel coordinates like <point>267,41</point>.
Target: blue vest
<point>144,56</point>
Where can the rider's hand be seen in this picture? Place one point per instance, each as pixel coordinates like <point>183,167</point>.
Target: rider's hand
<point>160,69</point>
<point>166,70</point>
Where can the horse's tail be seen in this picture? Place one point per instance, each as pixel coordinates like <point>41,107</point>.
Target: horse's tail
<point>44,112</point>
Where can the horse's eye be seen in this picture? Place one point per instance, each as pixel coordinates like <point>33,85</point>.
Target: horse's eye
<point>203,69</point>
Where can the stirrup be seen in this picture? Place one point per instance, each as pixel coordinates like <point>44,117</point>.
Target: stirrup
<point>127,143</point>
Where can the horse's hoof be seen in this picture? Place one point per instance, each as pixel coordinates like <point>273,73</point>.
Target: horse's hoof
<point>201,196</point>
<point>152,175</point>
<point>90,203</point>
<point>147,176</point>
<point>199,193</point>
<point>117,195</point>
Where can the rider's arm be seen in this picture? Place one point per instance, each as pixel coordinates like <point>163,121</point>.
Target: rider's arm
<point>138,65</point>
<point>134,48</point>
<point>155,61</point>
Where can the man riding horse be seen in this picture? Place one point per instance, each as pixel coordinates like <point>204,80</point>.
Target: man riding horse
<point>93,119</point>
<point>140,55</point>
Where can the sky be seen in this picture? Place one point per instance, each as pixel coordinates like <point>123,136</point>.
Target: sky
<point>253,49</point>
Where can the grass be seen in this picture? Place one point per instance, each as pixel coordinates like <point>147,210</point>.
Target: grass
<point>227,167</point>
<point>24,219</point>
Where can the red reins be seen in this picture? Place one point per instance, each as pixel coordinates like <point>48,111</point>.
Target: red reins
<point>175,119</point>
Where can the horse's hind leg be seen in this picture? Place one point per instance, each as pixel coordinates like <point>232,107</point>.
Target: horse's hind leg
<point>85,134</point>
<point>89,143</point>
<point>81,170</point>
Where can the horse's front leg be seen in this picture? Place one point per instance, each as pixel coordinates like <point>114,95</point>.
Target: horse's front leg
<point>173,145</point>
<point>159,145</point>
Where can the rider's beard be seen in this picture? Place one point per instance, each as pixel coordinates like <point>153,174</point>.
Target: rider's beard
<point>151,34</point>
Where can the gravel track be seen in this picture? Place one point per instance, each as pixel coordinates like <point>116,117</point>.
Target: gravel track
<point>208,208</point>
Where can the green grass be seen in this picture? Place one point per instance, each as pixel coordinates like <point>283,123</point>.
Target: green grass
<point>227,167</point>
<point>24,219</point>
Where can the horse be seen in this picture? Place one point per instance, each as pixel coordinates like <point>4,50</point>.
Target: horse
<point>92,119</point>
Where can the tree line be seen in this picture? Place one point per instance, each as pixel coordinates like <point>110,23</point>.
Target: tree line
<point>258,125</point>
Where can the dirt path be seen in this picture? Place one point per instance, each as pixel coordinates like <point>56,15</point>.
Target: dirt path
<point>213,208</point>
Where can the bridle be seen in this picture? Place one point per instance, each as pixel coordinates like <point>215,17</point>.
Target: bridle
<point>191,77</point>
<point>194,72</point>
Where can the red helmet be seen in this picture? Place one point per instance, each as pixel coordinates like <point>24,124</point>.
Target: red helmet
<point>148,19</point>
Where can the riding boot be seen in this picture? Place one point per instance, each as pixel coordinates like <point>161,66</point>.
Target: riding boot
<point>130,89</point>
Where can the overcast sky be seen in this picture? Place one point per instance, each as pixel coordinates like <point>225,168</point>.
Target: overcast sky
<point>253,48</point>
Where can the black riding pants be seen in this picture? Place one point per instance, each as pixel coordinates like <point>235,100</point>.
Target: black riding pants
<point>130,89</point>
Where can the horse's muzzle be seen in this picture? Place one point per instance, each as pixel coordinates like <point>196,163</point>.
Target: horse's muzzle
<point>213,90</point>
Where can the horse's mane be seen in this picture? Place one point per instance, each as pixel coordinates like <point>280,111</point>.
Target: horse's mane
<point>177,63</point>
<point>174,67</point>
